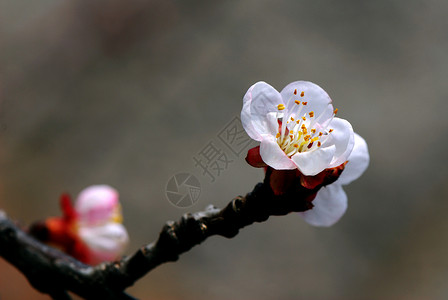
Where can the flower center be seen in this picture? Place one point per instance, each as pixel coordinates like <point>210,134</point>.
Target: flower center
<point>300,131</point>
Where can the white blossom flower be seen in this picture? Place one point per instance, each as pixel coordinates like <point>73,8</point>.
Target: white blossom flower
<point>297,129</point>
<point>99,223</point>
<point>90,230</point>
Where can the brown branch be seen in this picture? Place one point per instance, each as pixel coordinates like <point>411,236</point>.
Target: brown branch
<point>49,270</point>
<point>53,272</point>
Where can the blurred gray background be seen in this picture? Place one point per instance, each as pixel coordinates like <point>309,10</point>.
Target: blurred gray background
<point>128,92</point>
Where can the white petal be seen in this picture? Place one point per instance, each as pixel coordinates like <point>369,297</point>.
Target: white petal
<point>313,162</point>
<point>358,161</point>
<point>260,99</point>
<point>97,204</point>
<point>318,100</point>
<point>246,119</point>
<point>273,156</point>
<point>343,138</point>
<point>329,206</point>
<point>109,240</point>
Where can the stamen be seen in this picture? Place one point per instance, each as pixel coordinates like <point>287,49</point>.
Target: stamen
<point>283,131</point>
<point>291,153</point>
<point>301,136</point>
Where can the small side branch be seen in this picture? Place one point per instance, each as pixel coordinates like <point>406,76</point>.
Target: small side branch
<point>49,270</point>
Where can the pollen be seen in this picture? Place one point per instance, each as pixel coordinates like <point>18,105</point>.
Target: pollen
<point>296,145</point>
<point>297,102</point>
<point>311,113</point>
<point>278,135</point>
<point>319,144</point>
<point>303,118</point>
<point>292,119</point>
<point>313,131</point>
<point>320,133</point>
<point>295,92</point>
<point>304,103</point>
<point>336,111</point>
<point>306,138</point>
<point>331,130</point>
<point>281,107</point>
<point>302,94</point>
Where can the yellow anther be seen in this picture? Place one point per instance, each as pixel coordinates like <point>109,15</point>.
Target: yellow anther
<point>297,102</point>
<point>298,121</point>
<point>291,136</point>
<point>302,94</point>
<point>296,145</point>
<point>311,113</point>
<point>313,131</point>
<point>319,144</point>
<point>117,218</point>
<point>335,111</point>
<point>295,92</point>
<point>331,130</point>
<point>307,137</point>
<point>304,103</point>
<point>292,119</point>
<point>320,133</point>
<point>278,135</point>
<point>281,107</point>
<point>303,118</point>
